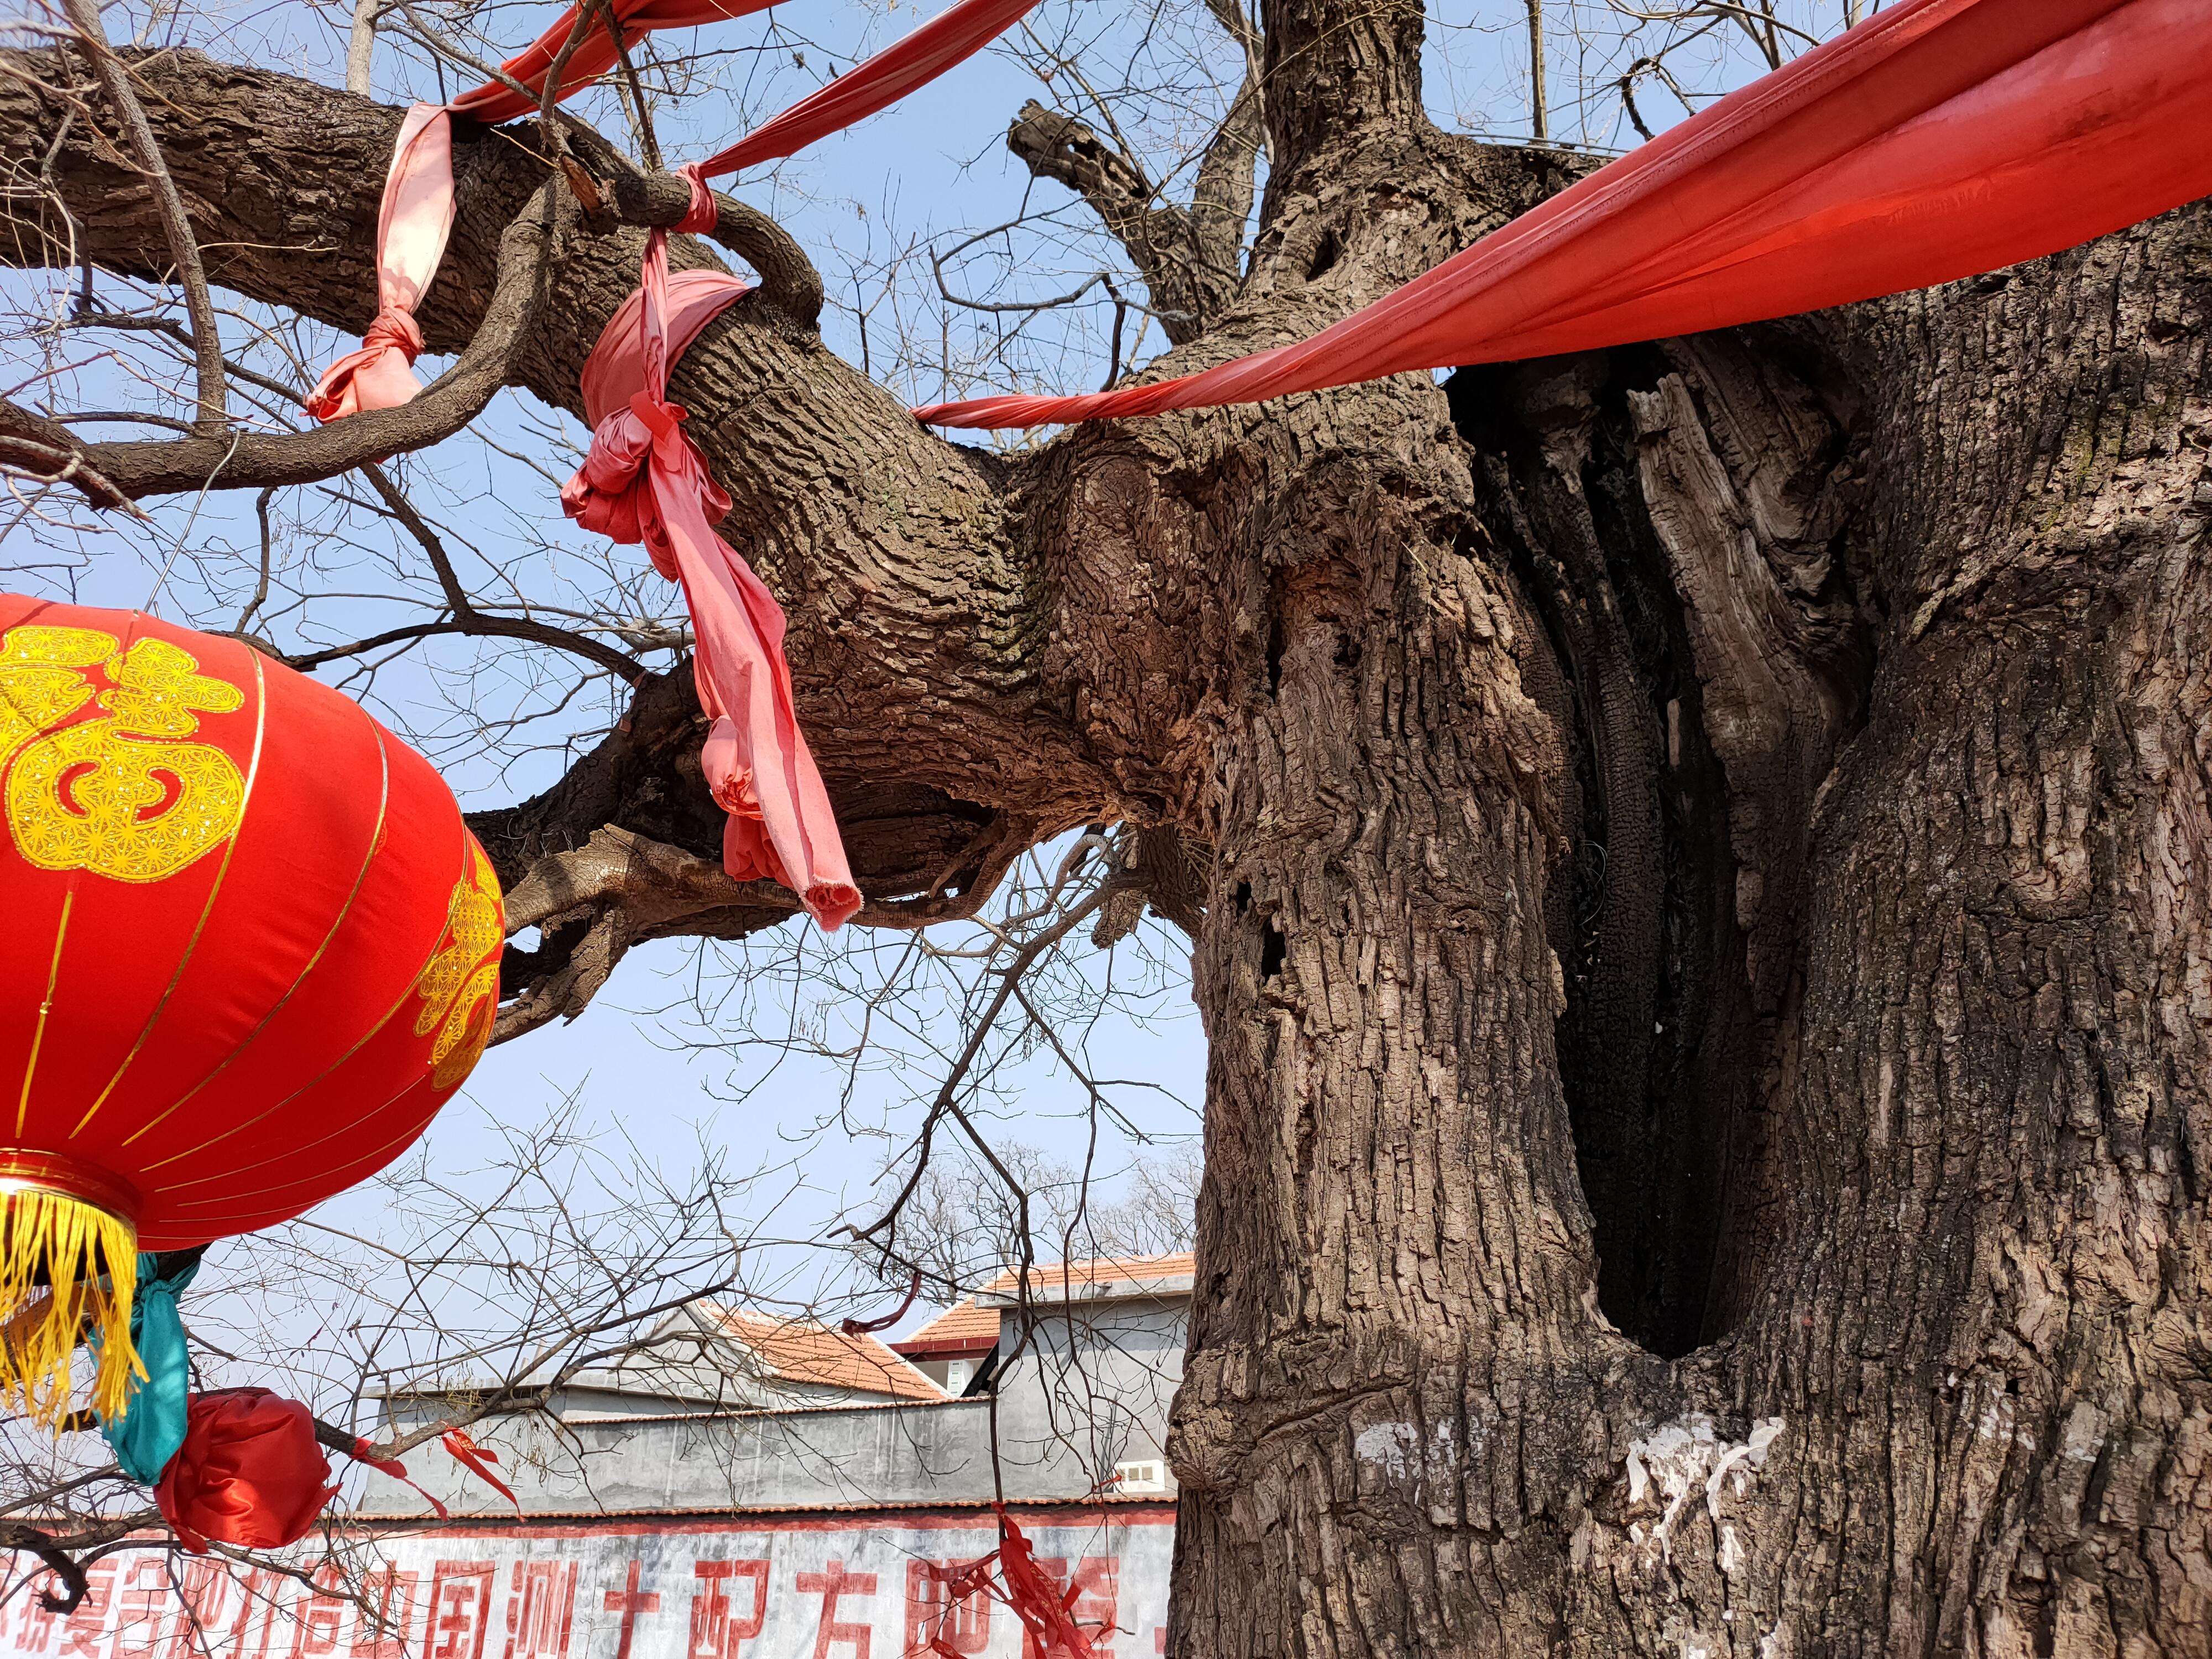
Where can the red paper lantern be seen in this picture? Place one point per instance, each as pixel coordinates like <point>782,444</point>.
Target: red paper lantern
<point>251,949</point>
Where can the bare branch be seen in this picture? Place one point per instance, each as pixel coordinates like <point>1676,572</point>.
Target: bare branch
<point>214,396</point>
<point>621,889</point>
<point>48,452</point>
<point>361,47</point>
<point>252,461</point>
<point>1181,264</point>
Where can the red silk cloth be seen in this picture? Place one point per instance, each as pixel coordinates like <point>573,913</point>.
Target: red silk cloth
<point>643,480</point>
<point>417,212</point>
<point>249,1473</point>
<point>250,947</point>
<point>1045,1613</point>
<point>1934,141</point>
<point>951,37</point>
<point>646,481</point>
<point>1044,1609</point>
<point>495,101</point>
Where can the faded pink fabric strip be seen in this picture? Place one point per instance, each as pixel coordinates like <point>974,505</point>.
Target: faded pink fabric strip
<point>646,482</point>
<point>411,227</point>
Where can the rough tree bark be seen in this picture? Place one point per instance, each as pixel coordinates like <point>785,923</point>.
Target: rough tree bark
<point>1705,955</point>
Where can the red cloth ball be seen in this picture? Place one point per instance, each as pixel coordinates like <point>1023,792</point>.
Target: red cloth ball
<point>249,1472</point>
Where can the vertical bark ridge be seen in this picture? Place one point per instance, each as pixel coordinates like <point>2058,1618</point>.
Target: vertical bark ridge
<point>1987,1312</point>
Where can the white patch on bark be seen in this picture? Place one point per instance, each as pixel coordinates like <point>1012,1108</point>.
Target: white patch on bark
<point>1681,1458</point>
<point>1396,1449</point>
<point>1386,1446</point>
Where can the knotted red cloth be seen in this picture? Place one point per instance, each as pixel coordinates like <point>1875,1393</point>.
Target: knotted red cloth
<point>1044,1610</point>
<point>646,481</point>
<point>411,227</point>
<point>1933,141</point>
<point>363,1452</point>
<point>249,1473</point>
<point>462,1448</point>
<point>417,213</point>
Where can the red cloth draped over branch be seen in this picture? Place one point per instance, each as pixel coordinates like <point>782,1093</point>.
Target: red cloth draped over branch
<point>1936,140</point>
<point>645,481</point>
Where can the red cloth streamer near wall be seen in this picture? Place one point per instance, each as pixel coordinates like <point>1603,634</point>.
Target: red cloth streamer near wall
<point>1042,1609</point>
<point>478,1460</point>
<point>417,212</point>
<point>645,481</point>
<point>1936,140</point>
<point>1045,1612</point>
<point>363,1452</point>
<point>249,1473</point>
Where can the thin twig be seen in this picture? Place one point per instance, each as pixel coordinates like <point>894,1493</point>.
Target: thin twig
<point>214,396</point>
<point>648,145</point>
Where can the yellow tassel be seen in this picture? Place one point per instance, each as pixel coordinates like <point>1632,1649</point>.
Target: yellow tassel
<point>90,1260</point>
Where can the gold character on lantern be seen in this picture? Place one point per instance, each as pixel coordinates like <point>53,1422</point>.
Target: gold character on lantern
<point>460,988</point>
<point>121,797</point>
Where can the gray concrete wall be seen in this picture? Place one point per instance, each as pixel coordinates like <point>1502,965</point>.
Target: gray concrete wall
<point>1088,1390</point>
<point>1096,1381</point>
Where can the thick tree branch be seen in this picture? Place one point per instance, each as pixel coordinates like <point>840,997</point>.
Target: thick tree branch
<point>1179,252</point>
<point>48,450</point>
<point>621,889</point>
<point>956,707</point>
<point>1190,258</point>
<point>245,461</point>
<point>789,282</point>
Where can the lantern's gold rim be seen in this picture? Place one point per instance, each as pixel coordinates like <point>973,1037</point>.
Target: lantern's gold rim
<point>23,1169</point>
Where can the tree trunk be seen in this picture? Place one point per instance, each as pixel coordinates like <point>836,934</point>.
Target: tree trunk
<point>1873,645</point>
<point>1706,959</point>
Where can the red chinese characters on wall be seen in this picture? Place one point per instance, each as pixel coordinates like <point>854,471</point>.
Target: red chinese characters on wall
<point>541,1609</point>
<point>391,1593</point>
<point>460,1609</point>
<point>938,1618</point>
<point>834,1584</point>
<point>502,1602</point>
<point>81,1634</point>
<point>718,1630</point>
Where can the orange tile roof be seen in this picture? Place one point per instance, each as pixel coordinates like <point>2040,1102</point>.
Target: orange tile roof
<point>966,1328</point>
<point>961,1328</point>
<point>802,1351</point>
<point>1101,1270</point>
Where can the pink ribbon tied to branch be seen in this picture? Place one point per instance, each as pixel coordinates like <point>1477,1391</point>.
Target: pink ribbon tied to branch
<point>417,212</point>
<point>646,482</point>
<point>411,227</point>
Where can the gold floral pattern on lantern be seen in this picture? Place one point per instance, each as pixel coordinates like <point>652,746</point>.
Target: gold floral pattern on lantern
<point>460,988</point>
<point>121,797</point>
